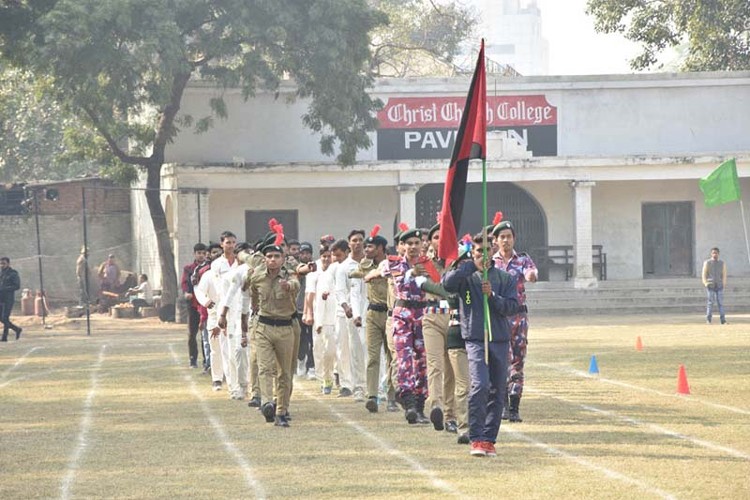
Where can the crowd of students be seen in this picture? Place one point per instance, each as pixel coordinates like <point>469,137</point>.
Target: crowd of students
<point>392,328</point>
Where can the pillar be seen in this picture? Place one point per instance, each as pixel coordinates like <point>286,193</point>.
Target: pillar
<point>583,272</point>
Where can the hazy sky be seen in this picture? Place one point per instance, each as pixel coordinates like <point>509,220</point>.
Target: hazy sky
<point>575,48</point>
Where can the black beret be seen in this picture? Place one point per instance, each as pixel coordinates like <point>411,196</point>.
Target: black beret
<point>410,233</point>
<point>305,247</point>
<point>434,228</point>
<point>272,248</point>
<point>506,224</point>
<point>376,240</point>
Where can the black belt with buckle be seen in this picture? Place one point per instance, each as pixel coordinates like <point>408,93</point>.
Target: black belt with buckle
<point>274,322</point>
<point>381,308</point>
<point>411,304</point>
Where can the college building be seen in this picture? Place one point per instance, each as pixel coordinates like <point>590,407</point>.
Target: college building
<point>599,174</point>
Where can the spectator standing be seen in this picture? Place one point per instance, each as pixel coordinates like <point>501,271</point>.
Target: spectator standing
<point>714,279</point>
<point>9,283</point>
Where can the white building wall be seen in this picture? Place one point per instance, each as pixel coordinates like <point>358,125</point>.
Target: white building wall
<point>618,115</point>
<point>321,211</point>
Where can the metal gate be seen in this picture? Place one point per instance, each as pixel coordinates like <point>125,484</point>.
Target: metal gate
<point>515,203</point>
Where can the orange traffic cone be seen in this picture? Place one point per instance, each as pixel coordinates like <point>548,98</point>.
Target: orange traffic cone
<point>638,344</point>
<point>682,382</point>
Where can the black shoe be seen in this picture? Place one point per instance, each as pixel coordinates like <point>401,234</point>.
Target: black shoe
<point>436,417</point>
<point>463,439</point>
<point>372,405</point>
<point>411,415</point>
<point>269,411</point>
<point>451,426</point>
<point>19,330</point>
<point>515,401</point>
<point>345,392</point>
<point>254,402</point>
<point>336,380</point>
<point>723,322</point>
<point>392,406</point>
<point>281,421</point>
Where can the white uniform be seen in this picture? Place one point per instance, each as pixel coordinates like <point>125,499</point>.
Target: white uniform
<point>351,338</point>
<point>207,291</point>
<point>222,270</point>
<point>324,315</point>
<point>238,302</point>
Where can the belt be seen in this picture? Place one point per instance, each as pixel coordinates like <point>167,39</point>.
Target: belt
<point>436,310</point>
<point>411,304</point>
<point>274,322</point>
<point>377,307</point>
<point>523,309</point>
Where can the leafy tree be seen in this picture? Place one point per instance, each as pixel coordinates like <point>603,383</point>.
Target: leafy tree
<point>716,32</point>
<point>123,65</point>
<point>33,130</point>
<point>422,37</point>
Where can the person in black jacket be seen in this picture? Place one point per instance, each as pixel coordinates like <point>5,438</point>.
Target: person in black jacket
<point>488,378</point>
<point>9,283</point>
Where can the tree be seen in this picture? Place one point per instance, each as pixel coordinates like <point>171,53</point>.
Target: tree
<point>716,32</point>
<point>422,37</point>
<point>122,66</point>
<point>33,132</point>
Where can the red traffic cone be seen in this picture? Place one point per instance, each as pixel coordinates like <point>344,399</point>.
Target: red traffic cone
<point>638,344</point>
<point>682,382</point>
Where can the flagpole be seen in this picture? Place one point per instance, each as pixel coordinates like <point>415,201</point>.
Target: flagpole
<point>485,259</point>
<point>744,226</point>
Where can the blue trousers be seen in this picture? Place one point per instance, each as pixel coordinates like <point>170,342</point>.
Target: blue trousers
<point>488,387</point>
<point>718,297</point>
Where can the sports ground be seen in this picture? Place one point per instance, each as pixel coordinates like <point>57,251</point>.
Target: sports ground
<point>120,415</point>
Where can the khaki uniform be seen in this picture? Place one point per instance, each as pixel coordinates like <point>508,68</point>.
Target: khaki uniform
<point>375,328</point>
<point>440,379</point>
<point>256,260</point>
<point>275,334</point>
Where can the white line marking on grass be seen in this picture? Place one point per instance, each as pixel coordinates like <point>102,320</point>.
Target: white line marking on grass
<point>18,362</point>
<point>26,377</point>
<point>416,466</point>
<point>589,465</point>
<point>668,432</point>
<point>656,428</point>
<point>83,433</point>
<point>681,397</point>
<point>247,470</point>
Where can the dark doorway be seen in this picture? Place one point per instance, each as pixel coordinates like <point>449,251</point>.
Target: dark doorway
<point>256,223</point>
<point>515,203</point>
<point>667,239</point>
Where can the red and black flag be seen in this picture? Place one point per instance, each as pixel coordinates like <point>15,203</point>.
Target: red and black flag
<point>471,143</point>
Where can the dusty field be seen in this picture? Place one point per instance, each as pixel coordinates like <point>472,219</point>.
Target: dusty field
<point>119,414</point>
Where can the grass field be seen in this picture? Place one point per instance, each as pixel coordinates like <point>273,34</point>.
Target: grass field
<point>119,414</point>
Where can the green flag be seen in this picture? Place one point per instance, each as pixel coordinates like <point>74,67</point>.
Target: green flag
<point>722,185</point>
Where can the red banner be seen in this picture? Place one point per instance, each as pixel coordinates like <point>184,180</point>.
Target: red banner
<point>446,112</point>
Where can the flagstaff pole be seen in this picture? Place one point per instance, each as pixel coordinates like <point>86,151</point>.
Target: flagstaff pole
<point>744,226</point>
<point>485,258</point>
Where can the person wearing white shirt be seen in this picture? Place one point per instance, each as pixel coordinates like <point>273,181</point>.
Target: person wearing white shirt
<point>141,295</point>
<point>222,267</point>
<point>234,308</point>
<point>207,294</point>
<point>352,295</point>
<point>321,309</point>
